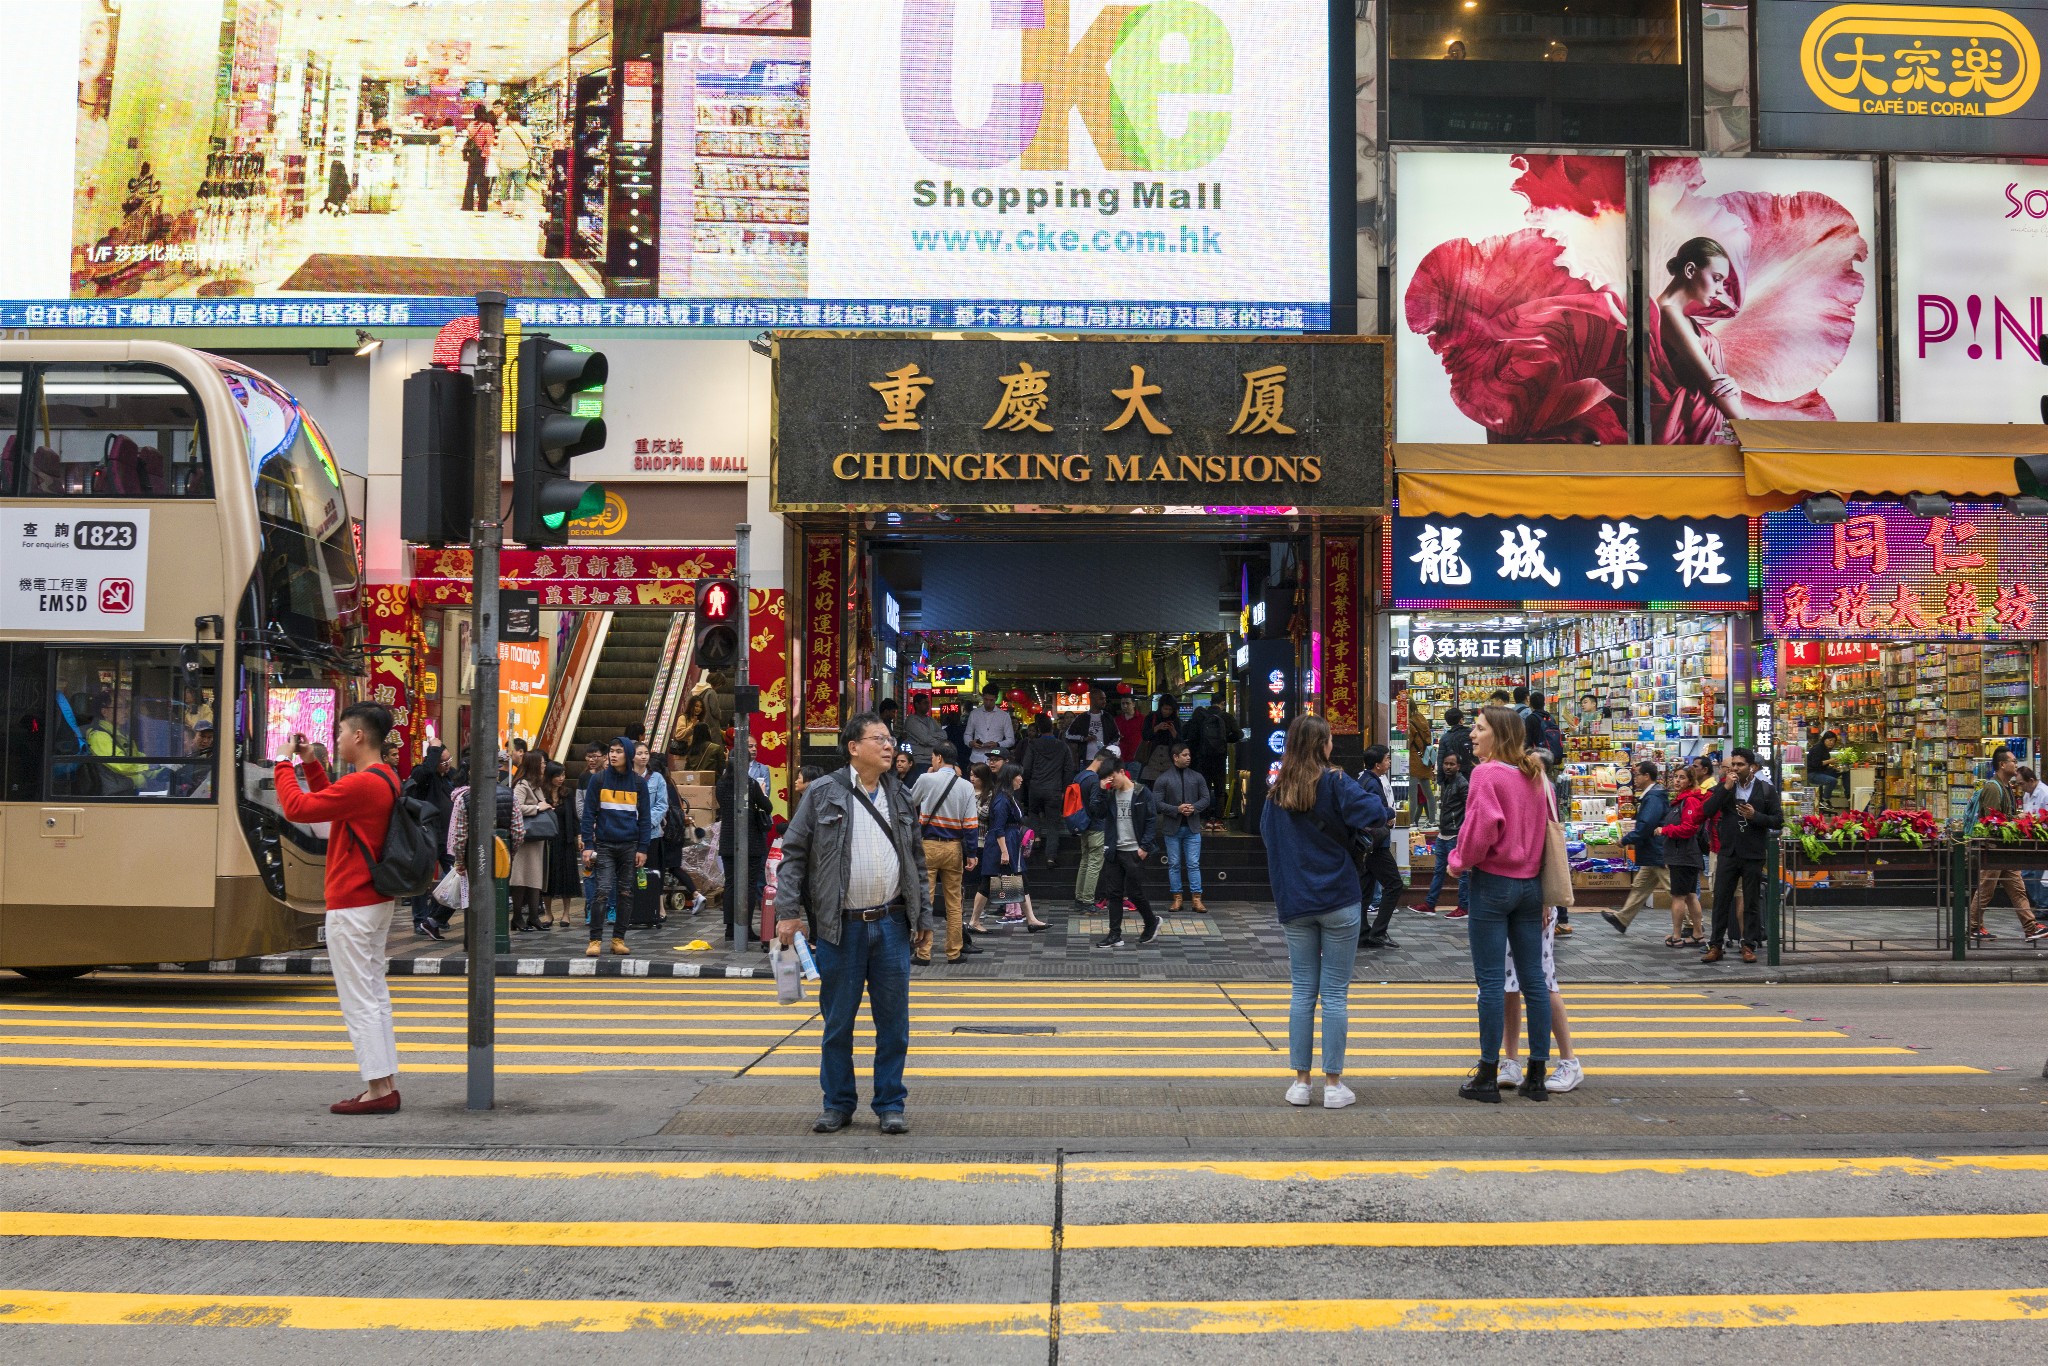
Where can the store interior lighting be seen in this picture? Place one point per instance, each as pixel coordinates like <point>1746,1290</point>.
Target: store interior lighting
<point>1928,504</point>
<point>365,343</point>
<point>1824,509</point>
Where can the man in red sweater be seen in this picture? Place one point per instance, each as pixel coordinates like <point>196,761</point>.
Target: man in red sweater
<point>358,807</point>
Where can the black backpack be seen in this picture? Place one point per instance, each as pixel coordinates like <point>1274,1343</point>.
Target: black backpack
<point>410,864</point>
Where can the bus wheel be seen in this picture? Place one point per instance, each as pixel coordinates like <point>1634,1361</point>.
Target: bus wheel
<point>54,974</point>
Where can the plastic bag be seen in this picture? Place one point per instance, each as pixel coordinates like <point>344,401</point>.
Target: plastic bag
<point>706,869</point>
<point>789,976</point>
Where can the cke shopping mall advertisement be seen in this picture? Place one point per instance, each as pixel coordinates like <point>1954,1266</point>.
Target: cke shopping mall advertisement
<point>921,163</point>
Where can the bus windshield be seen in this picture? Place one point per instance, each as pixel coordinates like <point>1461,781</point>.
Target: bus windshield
<point>307,576</point>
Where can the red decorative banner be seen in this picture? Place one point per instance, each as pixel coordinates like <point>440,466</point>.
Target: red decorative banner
<point>1342,702</point>
<point>768,668</point>
<point>823,584</point>
<point>390,626</point>
<point>1809,654</point>
<point>627,576</point>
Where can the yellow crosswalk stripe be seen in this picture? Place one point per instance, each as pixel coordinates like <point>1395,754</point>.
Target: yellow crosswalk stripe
<point>1358,1068</point>
<point>1215,1317</point>
<point>1026,1237</point>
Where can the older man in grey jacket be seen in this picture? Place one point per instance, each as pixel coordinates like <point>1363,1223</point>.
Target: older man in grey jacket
<point>853,865</point>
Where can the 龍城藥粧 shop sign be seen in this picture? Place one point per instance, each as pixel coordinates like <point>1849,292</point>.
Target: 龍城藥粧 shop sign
<point>1621,560</point>
<point>1901,77</point>
<point>904,422</point>
<point>82,568</point>
<point>1979,573</point>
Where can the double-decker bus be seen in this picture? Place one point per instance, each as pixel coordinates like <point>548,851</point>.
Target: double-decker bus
<point>178,594</point>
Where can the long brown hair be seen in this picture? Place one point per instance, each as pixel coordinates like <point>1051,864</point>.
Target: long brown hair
<point>1301,767</point>
<point>1508,737</point>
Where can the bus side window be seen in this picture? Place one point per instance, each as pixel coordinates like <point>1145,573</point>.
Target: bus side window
<point>132,724</point>
<point>115,431</point>
<point>22,686</point>
<point>11,463</point>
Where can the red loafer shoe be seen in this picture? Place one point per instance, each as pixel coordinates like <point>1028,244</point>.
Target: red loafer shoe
<point>386,1104</point>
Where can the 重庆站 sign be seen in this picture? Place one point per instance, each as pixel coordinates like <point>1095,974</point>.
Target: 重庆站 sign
<point>1690,560</point>
<point>1901,77</point>
<point>920,422</point>
<point>1979,573</point>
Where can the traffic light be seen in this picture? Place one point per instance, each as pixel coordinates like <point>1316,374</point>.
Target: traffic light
<point>552,432</point>
<point>438,444</point>
<point>718,625</point>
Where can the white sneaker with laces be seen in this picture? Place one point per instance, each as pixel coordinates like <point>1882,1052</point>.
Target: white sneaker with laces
<point>1566,1077</point>
<point>1297,1094</point>
<point>1336,1095</point>
<point>1510,1072</point>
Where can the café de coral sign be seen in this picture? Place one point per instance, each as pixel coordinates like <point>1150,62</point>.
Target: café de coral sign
<point>1993,64</point>
<point>914,421</point>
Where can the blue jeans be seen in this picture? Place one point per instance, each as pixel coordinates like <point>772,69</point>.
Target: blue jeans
<point>1320,952</point>
<point>1184,847</point>
<point>874,955</point>
<point>1443,849</point>
<point>1507,917</point>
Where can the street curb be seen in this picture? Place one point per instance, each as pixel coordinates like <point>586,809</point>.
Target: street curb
<point>1961,973</point>
<point>454,965</point>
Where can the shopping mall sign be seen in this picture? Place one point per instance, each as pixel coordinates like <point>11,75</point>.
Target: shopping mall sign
<point>912,421</point>
<point>1979,573</point>
<point>1635,561</point>
<point>1884,77</point>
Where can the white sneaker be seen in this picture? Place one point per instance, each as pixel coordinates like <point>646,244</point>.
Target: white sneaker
<point>1510,1073</point>
<point>1336,1095</point>
<point>1566,1077</point>
<point>1297,1094</point>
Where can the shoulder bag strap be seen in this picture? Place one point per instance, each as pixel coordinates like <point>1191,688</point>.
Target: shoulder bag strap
<point>924,821</point>
<point>1334,832</point>
<point>853,786</point>
<point>361,843</point>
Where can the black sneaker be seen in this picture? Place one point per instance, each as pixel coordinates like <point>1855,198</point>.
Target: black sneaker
<point>1151,933</point>
<point>966,949</point>
<point>429,928</point>
<point>1620,925</point>
<point>1483,1085</point>
<point>1110,941</point>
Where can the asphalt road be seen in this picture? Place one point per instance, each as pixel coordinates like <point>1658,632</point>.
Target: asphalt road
<point>1760,1169</point>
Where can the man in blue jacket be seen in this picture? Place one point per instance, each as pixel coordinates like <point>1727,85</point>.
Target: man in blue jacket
<point>1653,807</point>
<point>616,827</point>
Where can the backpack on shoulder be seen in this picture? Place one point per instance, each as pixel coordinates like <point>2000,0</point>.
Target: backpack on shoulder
<point>1074,809</point>
<point>410,863</point>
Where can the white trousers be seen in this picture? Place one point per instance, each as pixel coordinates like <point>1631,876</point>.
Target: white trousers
<point>357,949</point>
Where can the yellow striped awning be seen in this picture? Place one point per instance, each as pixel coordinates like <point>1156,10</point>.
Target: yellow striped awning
<point>1895,458</point>
<point>1439,480</point>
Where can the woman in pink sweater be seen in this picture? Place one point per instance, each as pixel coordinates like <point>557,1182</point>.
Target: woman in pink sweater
<point>1507,812</point>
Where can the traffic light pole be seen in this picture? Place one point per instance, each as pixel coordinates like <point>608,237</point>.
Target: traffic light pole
<point>742,748</point>
<point>487,532</point>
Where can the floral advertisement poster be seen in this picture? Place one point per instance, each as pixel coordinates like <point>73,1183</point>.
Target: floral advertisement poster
<point>1512,277</point>
<point>1761,303</point>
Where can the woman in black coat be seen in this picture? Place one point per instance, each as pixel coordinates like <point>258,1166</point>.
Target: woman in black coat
<point>564,870</point>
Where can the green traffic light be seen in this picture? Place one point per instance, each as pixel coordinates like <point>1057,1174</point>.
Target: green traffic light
<point>589,505</point>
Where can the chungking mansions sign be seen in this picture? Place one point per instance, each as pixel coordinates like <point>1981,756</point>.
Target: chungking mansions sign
<point>912,421</point>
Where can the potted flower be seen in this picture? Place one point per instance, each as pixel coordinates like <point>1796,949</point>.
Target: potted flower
<point>1821,837</point>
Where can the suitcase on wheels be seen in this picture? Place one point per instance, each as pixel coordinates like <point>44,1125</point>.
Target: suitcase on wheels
<point>647,901</point>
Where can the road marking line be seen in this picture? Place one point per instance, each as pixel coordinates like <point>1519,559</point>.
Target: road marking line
<point>1025,1237</point>
<point>1559,1233</point>
<point>408,1168</point>
<point>340,1313</point>
<point>771,1032</point>
<point>490,1233</point>
<point>230,1065</point>
<point>1047,1073</point>
<point>1615,1313</point>
<point>1423,1168</point>
<point>324,1046</point>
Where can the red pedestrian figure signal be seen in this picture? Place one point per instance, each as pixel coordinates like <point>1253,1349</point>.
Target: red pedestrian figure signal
<point>718,598</point>
<point>718,616</point>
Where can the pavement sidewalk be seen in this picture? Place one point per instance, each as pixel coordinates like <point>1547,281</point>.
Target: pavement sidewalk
<point>1234,941</point>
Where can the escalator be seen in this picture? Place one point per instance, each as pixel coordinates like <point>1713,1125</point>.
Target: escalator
<point>622,678</point>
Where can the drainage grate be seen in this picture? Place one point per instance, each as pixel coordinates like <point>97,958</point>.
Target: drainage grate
<point>1006,1029</point>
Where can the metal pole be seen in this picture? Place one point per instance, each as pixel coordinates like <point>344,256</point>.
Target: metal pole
<point>479,930</point>
<point>742,723</point>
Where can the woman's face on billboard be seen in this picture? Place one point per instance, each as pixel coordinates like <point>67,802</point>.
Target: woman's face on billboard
<point>1705,283</point>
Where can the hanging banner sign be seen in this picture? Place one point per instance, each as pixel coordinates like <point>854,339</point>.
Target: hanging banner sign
<point>1979,573</point>
<point>629,576</point>
<point>1894,77</point>
<point>1691,561</point>
<point>1343,557</point>
<point>825,583</point>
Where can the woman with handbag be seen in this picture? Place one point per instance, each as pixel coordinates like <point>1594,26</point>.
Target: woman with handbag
<point>565,866</point>
<point>530,863</point>
<point>1312,823</point>
<point>1514,848</point>
<point>1007,831</point>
